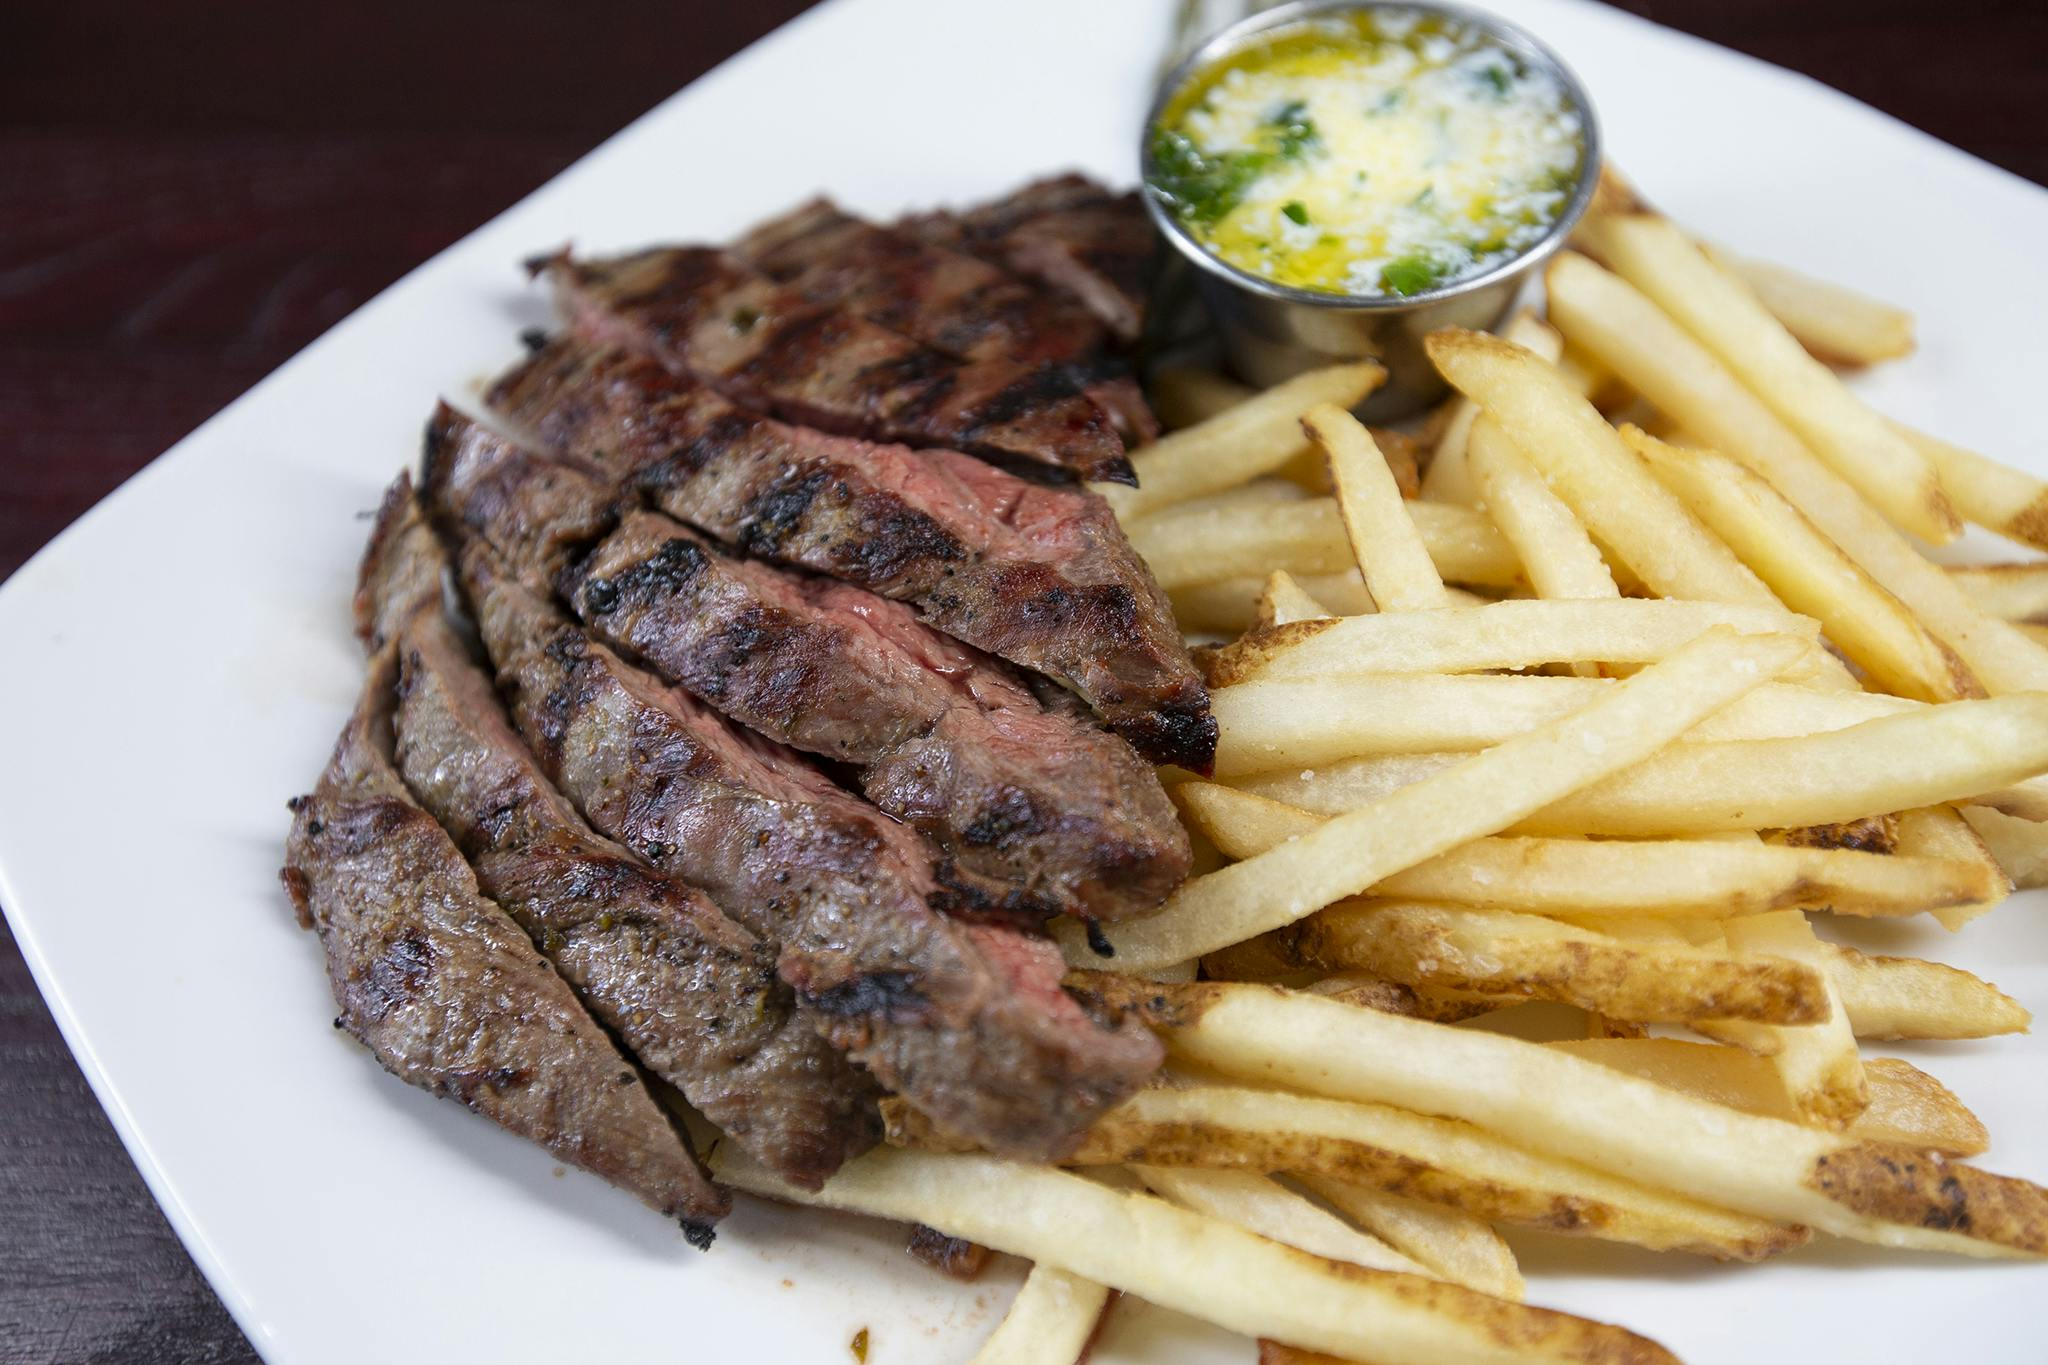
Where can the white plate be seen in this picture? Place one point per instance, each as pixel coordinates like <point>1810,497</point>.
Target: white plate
<point>177,664</point>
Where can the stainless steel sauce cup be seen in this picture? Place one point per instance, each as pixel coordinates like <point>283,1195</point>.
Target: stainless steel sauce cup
<point>1272,332</point>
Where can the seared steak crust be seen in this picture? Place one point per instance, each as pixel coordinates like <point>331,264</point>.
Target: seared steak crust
<point>966,1021</point>
<point>1040,576</point>
<point>690,993</point>
<point>1066,232</point>
<point>703,312</point>
<point>448,992</point>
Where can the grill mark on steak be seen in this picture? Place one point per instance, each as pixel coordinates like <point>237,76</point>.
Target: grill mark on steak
<point>964,1020</point>
<point>703,312</point>
<point>1040,576</point>
<point>952,301</point>
<point>691,994</point>
<point>1066,232</point>
<point>449,994</point>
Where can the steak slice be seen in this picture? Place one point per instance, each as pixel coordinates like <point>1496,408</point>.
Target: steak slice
<point>948,300</point>
<point>702,312</point>
<point>1066,232</point>
<point>448,992</point>
<point>966,1021</point>
<point>690,993</point>
<point>1040,576</point>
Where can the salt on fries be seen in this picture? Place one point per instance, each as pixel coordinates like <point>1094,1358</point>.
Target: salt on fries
<point>1459,770</point>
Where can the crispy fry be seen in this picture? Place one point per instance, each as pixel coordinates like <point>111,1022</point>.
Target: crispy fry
<point>2012,592</point>
<point>2020,846</point>
<point>1258,1203</point>
<point>1048,1323</point>
<point>1722,313</point>
<point>1610,318</point>
<point>1676,877</point>
<point>1307,537</point>
<point>1198,1265</point>
<point>1499,951</point>
<point>1558,556</point>
<point>1285,601</point>
<point>1586,464</point>
<point>1906,1105</point>
<point>1995,496</point>
<point>1819,1065</point>
<point>1561,1104</point>
<point>1240,443</point>
<point>1391,553</point>
<point>1451,1245</point>
<point>1451,477</point>
<point>1837,326</point>
<point>1809,571</point>
<point>1488,791</point>
<point>1940,832</point>
<point>1905,997</point>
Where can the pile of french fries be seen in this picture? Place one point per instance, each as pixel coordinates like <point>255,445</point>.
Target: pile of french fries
<point>1598,692</point>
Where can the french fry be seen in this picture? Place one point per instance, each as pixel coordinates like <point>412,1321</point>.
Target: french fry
<point>1724,315</point>
<point>1184,396</point>
<point>1676,877</point>
<point>1502,635</point>
<point>1451,1245</point>
<point>1819,1064</point>
<point>1390,551</point>
<point>1258,1203</point>
<point>1564,1105</point>
<point>1450,477</point>
<point>1907,1105</point>
<point>1808,571</point>
<point>1230,605</point>
<point>1480,796</point>
<point>1265,725</point>
<point>1905,997</point>
<point>1628,332</point>
<point>1198,1265</point>
<point>2020,846</point>
<point>2012,592</point>
<point>1835,325</point>
<point>1995,496</point>
<point>1941,832</point>
<point>1500,951</point>
<point>1285,602</point>
<point>1557,555</point>
<point>1586,464</point>
<point>1237,445</point>
<point>1307,537</point>
<point>1438,1161</point>
<point>1260,492</point>
<point>1048,1323</point>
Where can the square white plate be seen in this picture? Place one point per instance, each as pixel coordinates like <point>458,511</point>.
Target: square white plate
<point>177,665</point>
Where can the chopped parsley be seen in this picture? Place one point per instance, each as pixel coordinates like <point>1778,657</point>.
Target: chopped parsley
<point>1297,212</point>
<point>1410,275</point>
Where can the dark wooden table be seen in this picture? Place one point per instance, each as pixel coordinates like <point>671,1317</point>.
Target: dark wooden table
<point>190,193</point>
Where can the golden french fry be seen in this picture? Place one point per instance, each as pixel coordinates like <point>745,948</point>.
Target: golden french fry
<point>1586,464</point>
<point>1564,1105</point>
<point>1907,1105</point>
<point>1809,571</point>
<point>1650,252</point>
<point>1258,1203</point>
<point>1285,602</point>
<point>1450,477</point>
<point>1674,877</point>
<point>1197,1265</point>
<point>1628,332</point>
<point>2020,846</point>
<point>1819,1065</point>
<point>1941,832</point>
<point>1905,997</point>
<point>2012,592</point>
<point>1451,1245</point>
<point>1048,1323</point>
<point>1391,553</point>
<point>1995,496</point>
<point>1307,537</point>
<point>1238,444</point>
<point>1558,556</point>
<point>1837,326</point>
<point>1480,796</point>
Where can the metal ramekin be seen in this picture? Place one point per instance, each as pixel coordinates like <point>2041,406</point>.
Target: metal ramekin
<point>1271,332</point>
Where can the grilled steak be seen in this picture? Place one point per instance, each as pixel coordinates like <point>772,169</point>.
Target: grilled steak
<point>694,996</point>
<point>401,568</point>
<point>1066,232</point>
<point>702,312</point>
<point>966,1021</point>
<point>448,992</point>
<point>948,300</point>
<point>1040,576</point>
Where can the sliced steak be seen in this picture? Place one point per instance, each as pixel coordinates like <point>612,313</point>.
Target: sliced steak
<point>948,300</point>
<point>702,312</point>
<point>401,570</point>
<point>966,1021</point>
<point>690,993</point>
<point>448,992</point>
<point>1066,232</point>
<point>1040,576</point>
